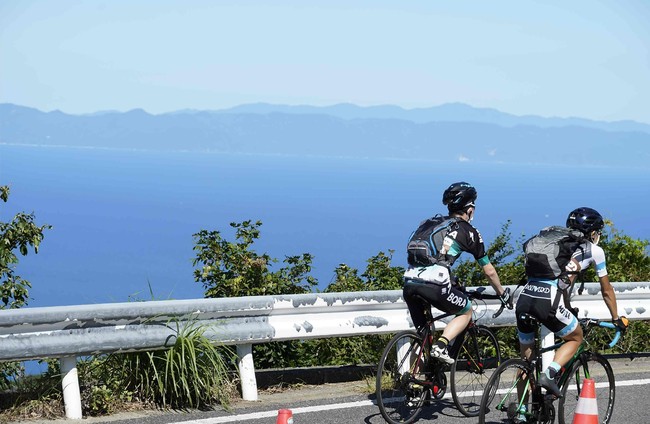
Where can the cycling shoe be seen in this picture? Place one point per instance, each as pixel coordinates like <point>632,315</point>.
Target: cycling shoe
<point>549,384</point>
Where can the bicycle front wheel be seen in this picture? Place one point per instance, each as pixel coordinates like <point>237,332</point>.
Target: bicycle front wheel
<point>476,359</point>
<point>588,365</point>
<point>399,397</point>
<point>504,399</point>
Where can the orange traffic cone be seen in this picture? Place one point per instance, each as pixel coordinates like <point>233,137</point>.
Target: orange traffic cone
<point>587,409</point>
<point>285,417</point>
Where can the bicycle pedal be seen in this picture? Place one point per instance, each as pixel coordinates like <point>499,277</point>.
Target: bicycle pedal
<point>438,392</point>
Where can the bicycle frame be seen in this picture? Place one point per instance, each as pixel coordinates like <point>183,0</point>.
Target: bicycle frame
<point>424,365</point>
<point>536,357</point>
<point>582,349</point>
<point>473,295</point>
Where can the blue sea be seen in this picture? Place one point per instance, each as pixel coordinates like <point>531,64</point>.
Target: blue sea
<point>123,220</point>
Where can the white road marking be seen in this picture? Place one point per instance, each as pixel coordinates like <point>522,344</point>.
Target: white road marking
<point>302,410</point>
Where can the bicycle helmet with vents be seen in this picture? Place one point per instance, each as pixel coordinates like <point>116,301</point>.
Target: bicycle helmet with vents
<point>459,196</point>
<point>585,220</point>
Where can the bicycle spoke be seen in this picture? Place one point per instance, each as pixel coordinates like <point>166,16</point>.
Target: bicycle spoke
<point>502,402</point>
<point>477,357</point>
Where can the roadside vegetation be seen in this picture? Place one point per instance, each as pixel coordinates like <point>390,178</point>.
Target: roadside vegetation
<point>194,373</point>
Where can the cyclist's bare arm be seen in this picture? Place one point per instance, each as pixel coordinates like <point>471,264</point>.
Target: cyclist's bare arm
<point>493,278</point>
<point>607,290</point>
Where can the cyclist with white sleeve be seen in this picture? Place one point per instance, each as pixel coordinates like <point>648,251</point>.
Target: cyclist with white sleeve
<point>537,297</point>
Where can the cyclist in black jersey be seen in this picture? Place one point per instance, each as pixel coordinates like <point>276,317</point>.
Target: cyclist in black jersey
<point>433,284</point>
<point>540,298</point>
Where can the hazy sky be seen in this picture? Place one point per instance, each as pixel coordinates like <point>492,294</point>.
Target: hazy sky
<point>585,58</point>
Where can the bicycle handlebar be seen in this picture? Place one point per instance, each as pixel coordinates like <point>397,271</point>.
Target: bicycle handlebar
<point>478,294</point>
<point>617,336</point>
<point>587,321</point>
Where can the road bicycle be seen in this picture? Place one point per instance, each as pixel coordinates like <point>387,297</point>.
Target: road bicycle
<point>408,377</point>
<point>513,396</point>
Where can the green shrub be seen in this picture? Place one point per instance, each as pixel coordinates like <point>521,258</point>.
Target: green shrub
<point>99,400</point>
<point>233,269</point>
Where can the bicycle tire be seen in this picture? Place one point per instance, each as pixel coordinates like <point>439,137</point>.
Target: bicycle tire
<point>600,370</point>
<point>398,398</point>
<point>469,374</point>
<point>500,400</point>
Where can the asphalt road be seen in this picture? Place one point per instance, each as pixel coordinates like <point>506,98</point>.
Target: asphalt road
<point>354,403</point>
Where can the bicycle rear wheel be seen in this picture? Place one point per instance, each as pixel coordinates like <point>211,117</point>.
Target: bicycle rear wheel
<point>476,359</point>
<point>500,402</point>
<point>588,365</point>
<point>399,397</point>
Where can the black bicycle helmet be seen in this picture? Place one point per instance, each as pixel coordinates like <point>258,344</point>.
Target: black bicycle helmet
<point>459,196</point>
<point>585,220</point>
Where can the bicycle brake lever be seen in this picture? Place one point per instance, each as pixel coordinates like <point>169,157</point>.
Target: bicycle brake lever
<point>497,313</point>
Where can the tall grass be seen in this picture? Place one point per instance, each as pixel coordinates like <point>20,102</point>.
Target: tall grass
<point>192,373</point>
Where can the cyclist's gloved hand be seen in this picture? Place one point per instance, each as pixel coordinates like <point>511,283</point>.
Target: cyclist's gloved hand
<point>505,298</point>
<point>621,323</point>
<point>574,311</point>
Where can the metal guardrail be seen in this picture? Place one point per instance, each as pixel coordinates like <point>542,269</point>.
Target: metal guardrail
<point>68,332</point>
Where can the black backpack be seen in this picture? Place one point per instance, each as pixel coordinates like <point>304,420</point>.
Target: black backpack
<point>424,245</point>
<point>547,254</point>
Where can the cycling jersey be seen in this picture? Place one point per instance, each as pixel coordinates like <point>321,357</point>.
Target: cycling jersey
<point>591,254</point>
<point>432,285</point>
<point>463,237</point>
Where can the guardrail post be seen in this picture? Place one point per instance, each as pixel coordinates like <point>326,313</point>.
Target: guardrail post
<point>548,339</point>
<point>403,346</point>
<point>71,393</point>
<point>247,372</point>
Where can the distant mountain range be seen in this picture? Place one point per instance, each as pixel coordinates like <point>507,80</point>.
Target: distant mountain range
<point>450,132</point>
<point>450,112</point>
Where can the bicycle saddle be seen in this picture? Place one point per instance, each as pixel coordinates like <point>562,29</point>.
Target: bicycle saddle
<point>527,318</point>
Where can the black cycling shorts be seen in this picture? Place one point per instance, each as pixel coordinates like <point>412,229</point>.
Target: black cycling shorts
<point>537,299</point>
<point>446,298</point>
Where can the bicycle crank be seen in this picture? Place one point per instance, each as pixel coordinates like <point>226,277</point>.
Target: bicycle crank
<point>439,384</point>
<point>547,414</point>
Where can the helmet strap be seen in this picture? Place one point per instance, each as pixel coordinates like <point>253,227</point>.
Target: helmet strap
<point>470,213</point>
<point>595,237</point>
<point>464,214</point>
